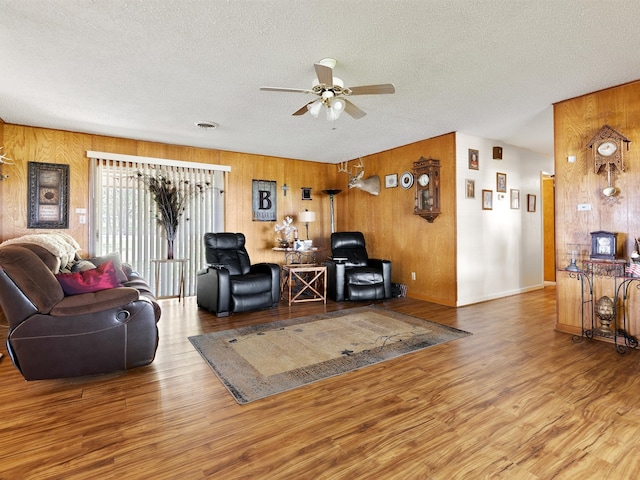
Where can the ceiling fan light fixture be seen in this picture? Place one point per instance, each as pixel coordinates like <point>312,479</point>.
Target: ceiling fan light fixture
<point>333,114</point>
<point>314,108</point>
<point>338,105</point>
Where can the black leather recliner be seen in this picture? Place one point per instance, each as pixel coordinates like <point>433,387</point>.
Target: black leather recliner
<point>351,274</point>
<point>230,283</point>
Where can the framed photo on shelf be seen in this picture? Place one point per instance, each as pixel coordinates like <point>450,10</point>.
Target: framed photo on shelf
<point>391,181</point>
<point>531,203</point>
<point>474,159</point>
<point>469,188</point>
<point>501,182</point>
<point>515,198</point>
<point>487,199</point>
<point>48,195</point>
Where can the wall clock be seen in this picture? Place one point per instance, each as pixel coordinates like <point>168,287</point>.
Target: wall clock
<point>607,146</point>
<point>427,185</point>
<point>406,180</point>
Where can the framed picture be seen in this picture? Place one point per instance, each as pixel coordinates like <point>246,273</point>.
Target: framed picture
<point>48,195</point>
<point>501,182</point>
<point>474,160</point>
<point>531,203</point>
<point>306,193</point>
<point>487,199</point>
<point>263,200</point>
<point>515,198</point>
<point>469,188</point>
<point>391,181</point>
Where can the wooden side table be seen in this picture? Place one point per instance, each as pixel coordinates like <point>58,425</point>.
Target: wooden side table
<point>158,262</point>
<point>310,281</point>
<point>292,256</point>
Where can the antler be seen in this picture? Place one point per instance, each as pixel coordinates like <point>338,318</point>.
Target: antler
<point>342,167</point>
<point>4,159</point>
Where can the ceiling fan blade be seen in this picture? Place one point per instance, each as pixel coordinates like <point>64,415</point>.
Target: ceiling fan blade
<point>352,110</point>
<point>324,74</point>
<point>373,89</point>
<point>303,109</point>
<point>284,89</point>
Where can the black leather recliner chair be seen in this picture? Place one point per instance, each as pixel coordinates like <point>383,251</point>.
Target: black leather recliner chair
<point>351,274</point>
<point>230,283</point>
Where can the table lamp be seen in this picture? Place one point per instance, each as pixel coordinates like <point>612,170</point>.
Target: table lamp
<point>307,217</point>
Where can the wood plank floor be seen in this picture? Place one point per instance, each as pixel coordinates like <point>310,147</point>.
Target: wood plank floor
<point>515,400</point>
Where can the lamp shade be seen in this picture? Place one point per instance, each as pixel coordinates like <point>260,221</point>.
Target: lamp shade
<point>314,108</point>
<point>307,216</point>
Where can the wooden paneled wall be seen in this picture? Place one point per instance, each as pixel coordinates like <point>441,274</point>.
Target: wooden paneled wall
<point>394,232</point>
<point>576,122</point>
<point>391,229</point>
<point>1,182</point>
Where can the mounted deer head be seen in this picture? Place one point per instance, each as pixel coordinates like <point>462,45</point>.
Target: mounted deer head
<point>370,185</point>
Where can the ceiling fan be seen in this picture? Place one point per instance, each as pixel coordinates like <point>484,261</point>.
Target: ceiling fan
<point>332,93</point>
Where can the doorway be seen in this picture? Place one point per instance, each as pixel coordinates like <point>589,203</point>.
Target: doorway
<point>548,227</point>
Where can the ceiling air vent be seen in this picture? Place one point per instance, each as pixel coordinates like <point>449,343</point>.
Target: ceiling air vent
<point>207,125</point>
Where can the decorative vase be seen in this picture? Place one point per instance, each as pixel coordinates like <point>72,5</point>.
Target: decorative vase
<point>283,240</point>
<point>171,236</point>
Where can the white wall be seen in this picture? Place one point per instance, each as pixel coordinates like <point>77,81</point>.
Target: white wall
<point>499,251</point>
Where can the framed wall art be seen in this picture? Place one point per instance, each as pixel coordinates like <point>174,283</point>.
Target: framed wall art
<point>531,203</point>
<point>515,198</point>
<point>474,159</point>
<point>501,182</point>
<point>487,199</point>
<point>306,193</point>
<point>48,195</point>
<point>391,181</point>
<point>469,188</point>
<point>263,200</point>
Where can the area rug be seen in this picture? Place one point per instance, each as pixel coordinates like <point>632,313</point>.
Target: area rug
<point>261,360</point>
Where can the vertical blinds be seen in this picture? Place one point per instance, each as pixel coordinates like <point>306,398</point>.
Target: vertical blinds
<point>124,215</point>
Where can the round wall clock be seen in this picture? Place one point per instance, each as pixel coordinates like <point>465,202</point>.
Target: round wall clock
<point>608,148</point>
<point>406,180</point>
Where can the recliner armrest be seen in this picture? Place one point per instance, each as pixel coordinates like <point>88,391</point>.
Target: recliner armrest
<point>385,266</point>
<point>217,266</point>
<point>274,270</point>
<point>95,302</point>
<point>214,290</point>
<point>335,279</point>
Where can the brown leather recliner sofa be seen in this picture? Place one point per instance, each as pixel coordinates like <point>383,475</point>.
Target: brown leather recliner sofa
<point>52,335</point>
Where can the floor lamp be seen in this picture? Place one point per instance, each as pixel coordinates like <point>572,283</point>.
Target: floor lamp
<point>332,193</point>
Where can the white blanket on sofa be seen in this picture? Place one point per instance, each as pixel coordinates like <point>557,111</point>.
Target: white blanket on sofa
<point>61,244</point>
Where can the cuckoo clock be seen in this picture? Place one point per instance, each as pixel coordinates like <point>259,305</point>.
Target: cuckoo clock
<point>427,185</point>
<point>607,146</point>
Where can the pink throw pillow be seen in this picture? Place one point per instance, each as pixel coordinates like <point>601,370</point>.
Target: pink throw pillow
<point>92,280</point>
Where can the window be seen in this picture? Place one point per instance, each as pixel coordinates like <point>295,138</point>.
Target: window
<point>123,215</point>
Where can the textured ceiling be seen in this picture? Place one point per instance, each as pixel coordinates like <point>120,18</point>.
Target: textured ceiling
<point>150,69</point>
